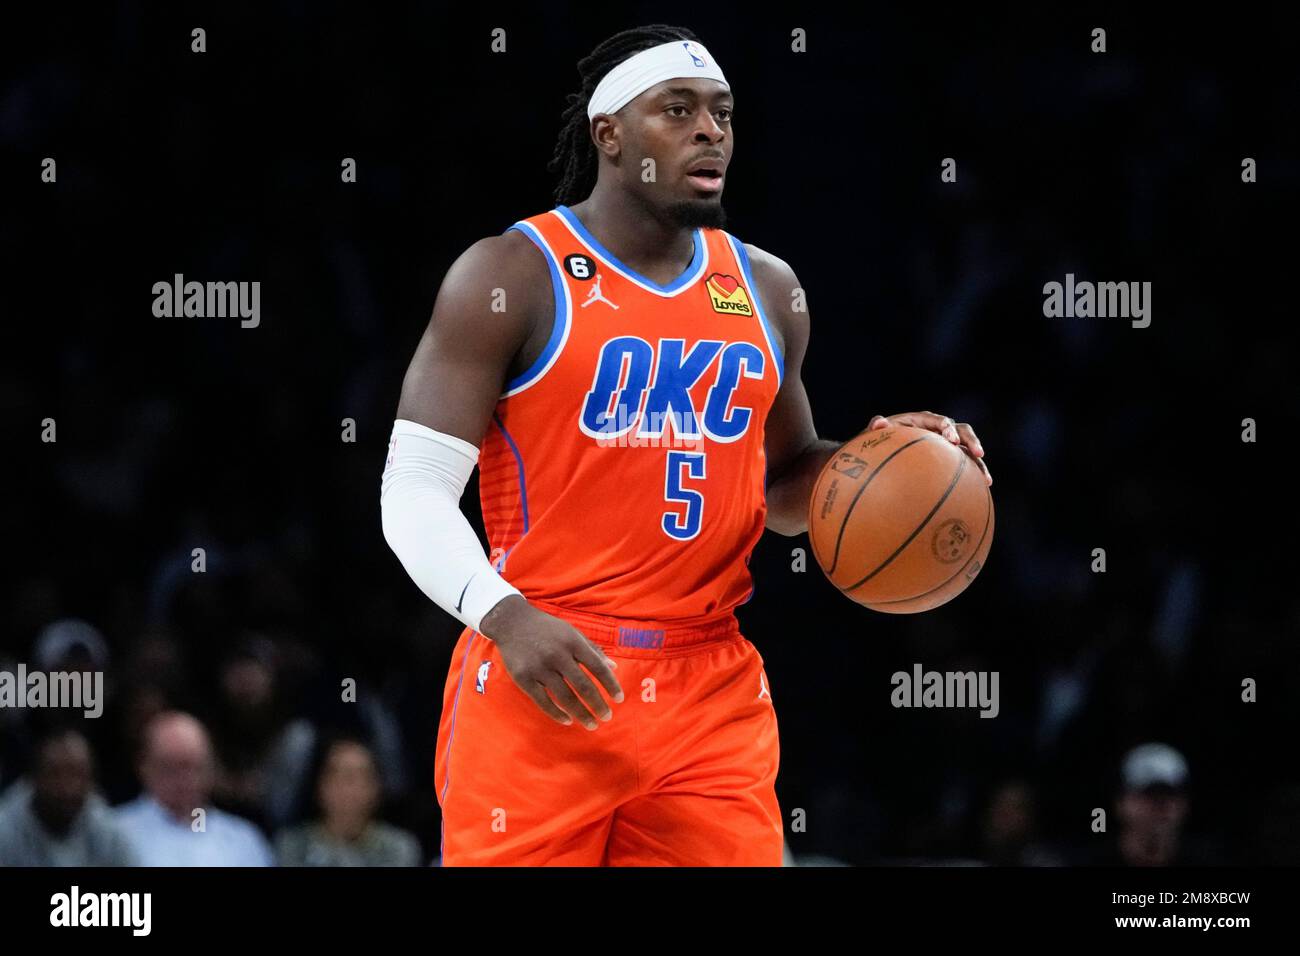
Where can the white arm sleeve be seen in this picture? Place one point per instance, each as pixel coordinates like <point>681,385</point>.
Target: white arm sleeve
<point>423,481</point>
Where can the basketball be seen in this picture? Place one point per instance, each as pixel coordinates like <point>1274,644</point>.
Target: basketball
<point>901,520</point>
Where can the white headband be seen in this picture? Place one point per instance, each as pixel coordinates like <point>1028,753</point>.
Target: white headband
<point>668,61</point>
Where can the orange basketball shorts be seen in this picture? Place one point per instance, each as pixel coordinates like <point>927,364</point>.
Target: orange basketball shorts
<point>683,775</point>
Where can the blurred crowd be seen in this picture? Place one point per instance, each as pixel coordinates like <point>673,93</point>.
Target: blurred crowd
<point>252,785</point>
<point>259,782</point>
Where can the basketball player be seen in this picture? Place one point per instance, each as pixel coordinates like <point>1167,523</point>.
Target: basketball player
<point>626,376</point>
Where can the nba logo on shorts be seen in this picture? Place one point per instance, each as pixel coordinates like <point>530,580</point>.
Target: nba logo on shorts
<point>481,681</point>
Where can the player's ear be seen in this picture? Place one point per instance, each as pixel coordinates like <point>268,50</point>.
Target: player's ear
<point>606,134</point>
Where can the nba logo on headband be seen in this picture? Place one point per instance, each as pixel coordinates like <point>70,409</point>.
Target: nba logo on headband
<point>639,72</point>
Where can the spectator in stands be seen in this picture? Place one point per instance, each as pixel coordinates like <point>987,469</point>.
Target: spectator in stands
<point>172,823</point>
<point>264,754</point>
<point>1152,807</point>
<point>55,817</point>
<point>347,832</point>
<point>1009,828</point>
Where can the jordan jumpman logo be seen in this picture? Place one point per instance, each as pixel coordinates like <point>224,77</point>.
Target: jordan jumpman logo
<point>595,295</point>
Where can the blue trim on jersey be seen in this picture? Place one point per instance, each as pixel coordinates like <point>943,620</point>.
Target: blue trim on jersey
<point>557,328</point>
<point>604,253</point>
<point>523,488</point>
<point>753,584</point>
<point>742,256</point>
<point>451,734</point>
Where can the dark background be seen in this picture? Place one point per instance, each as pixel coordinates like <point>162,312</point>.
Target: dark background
<point>1123,166</point>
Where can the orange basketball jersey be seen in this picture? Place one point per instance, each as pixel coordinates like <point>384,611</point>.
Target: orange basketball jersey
<point>624,472</point>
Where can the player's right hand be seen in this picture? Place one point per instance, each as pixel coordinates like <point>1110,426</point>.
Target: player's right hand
<point>546,656</point>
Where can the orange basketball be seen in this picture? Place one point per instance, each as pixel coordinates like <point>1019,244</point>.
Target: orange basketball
<point>901,520</point>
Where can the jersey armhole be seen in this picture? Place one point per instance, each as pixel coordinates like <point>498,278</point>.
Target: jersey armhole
<point>742,257</point>
<point>560,321</point>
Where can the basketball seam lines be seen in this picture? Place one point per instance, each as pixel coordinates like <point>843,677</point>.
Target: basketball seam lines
<point>835,559</point>
<point>912,537</point>
<point>987,516</point>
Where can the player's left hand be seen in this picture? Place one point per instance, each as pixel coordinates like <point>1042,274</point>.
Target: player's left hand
<point>959,433</point>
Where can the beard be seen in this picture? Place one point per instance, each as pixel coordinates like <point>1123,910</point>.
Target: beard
<point>697,213</point>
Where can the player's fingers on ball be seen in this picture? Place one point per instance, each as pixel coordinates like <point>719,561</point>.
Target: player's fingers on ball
<point>877,421</point>
<point>946,427</point>
<point>988,476</point>
<point>930,421</point>
<point>587,691</point>
<point>543,700</point>
<point>601,668</point>
<point>568,701</point>
<point>969,438</point>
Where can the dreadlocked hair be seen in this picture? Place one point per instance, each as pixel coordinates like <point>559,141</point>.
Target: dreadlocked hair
<point>575,153</point>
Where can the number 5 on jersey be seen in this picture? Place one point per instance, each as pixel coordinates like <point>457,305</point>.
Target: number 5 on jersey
<point>683,464</point>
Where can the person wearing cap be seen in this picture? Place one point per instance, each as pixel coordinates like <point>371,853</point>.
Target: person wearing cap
<point>1150,810</point>
<point>71,644</point>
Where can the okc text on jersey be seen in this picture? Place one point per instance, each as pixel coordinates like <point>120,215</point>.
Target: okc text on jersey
<point>629,406</point>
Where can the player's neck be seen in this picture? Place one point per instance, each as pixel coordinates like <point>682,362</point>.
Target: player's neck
<point>658,250</point>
